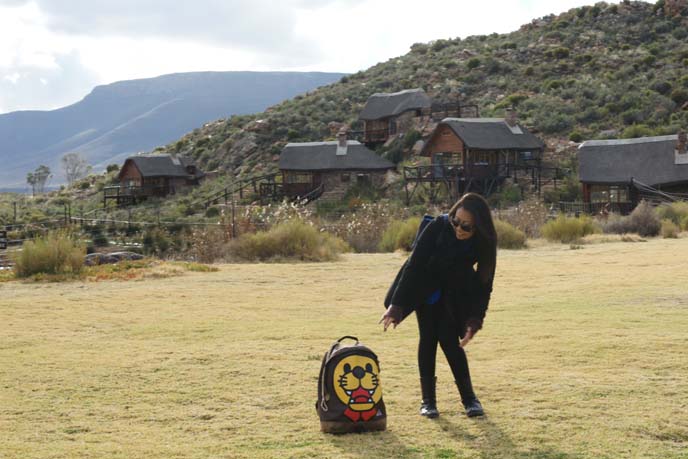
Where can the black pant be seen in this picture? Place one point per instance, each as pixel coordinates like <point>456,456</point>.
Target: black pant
<point>437,326</point>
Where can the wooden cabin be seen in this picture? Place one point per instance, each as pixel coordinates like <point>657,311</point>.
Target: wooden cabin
<point>143,176</point>
<point>329,168</point>
<point>387,114</point>
<point>617,174</point>
<point>477,154</point>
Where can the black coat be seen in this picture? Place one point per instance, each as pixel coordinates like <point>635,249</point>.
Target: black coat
<point>442,262</point>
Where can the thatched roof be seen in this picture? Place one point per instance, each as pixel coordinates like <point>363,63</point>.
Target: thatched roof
<point>322,156</point>
<point>492,134</point>
<point>650,160</point>
<point>164,166</point>
<point>384,105</point>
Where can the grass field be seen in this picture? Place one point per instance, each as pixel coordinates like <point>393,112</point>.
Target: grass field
<point>583,354</point>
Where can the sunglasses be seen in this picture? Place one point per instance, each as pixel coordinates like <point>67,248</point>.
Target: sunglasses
<point>467,227</point>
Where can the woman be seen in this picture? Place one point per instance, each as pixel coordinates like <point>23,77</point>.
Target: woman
<point>450,297</point>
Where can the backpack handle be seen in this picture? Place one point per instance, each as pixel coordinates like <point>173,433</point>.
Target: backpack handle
<point>323,402</point>
<point>347,337</point>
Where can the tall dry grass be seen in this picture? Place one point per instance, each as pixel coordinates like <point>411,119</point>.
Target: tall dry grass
<point>508,236</point>
<point>399,235</point>
<point>55,253</point>
<point>292,239</point>
<point>569,229</point>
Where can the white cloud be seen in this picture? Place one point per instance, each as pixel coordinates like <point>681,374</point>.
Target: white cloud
<point>13,78</point>
<point>106,41</point>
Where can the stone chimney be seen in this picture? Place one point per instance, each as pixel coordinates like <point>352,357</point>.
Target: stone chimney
<point>680,154</point>
<point>511,117</point>
<point>681,142</point>
<point>342,142</point>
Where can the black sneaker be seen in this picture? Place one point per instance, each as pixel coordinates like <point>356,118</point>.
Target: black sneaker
<point>429,410</point>
<point>473,408</point>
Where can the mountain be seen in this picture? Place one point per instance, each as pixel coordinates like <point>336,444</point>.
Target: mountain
<point>605,70</point>
<point>122,118</point>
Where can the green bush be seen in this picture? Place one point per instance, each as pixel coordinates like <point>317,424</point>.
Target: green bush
<point>670,229</point>
<point>676,212</point>
<point>399,235</point>
<point>293,239</point>
<point>508,236</point>
<point>156,241</point>
<point>472,63</point>
<point>55,253</point>
<point>568,229</point>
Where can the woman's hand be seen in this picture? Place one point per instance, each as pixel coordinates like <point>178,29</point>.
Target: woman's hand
<point>390,317</point>
<point>467,337</point>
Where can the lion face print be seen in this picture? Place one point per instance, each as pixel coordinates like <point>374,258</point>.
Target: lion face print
<point>357,385</point>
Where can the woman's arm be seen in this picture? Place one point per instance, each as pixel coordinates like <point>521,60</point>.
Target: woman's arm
<point>484,279</point>
<point>412,274</point>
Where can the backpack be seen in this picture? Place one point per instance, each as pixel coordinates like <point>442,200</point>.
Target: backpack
<point>349,390</point>
<point>425,221</point>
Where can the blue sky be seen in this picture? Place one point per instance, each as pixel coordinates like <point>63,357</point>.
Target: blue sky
<point>53,52</point>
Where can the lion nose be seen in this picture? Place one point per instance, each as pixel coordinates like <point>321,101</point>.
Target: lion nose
<point>359,372</point>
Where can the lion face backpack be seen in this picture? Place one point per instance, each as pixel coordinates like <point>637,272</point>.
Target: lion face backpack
<point>349,390</point>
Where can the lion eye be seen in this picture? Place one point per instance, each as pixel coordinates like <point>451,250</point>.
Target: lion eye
<point>347,368</point>
<point>369,368</point>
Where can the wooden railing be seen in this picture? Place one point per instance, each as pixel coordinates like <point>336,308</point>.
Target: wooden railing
<point>595,208</point>
<point>137,191</point>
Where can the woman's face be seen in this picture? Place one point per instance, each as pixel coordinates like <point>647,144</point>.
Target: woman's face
<point>463,224</point>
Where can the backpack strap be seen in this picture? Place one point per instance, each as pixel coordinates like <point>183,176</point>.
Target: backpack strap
<point>333,348</point>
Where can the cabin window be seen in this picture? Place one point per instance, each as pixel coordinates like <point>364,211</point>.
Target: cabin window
<point>346,177</point>
<point>392,127</point>
<point>363,179</point>
<point>526,155</point>
<point>482,158</point>
<point>299,177</point>
<point>609,193</point>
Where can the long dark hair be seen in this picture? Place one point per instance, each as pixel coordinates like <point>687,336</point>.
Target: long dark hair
<point>485,232</point>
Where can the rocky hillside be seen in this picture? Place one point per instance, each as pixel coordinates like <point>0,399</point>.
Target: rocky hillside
<point>596,71</point>
<point>122,118</point>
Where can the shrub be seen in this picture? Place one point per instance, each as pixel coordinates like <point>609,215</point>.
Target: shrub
<point>399,235</point>
<point>472,63</point>
<point>156,241</point>
<point>669,229</point>
<point>645,221</point>
<point>508,236</point>
<point>676,212</point>
<point>568,229</point>
<point>55,253</point>
<point>212,212</point>
<point>293,239</point>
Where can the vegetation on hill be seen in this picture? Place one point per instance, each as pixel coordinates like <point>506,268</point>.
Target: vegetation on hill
<point>595,71</point>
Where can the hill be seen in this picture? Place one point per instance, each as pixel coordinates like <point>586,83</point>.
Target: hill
<point>118,119</point>
<point>591,72</point>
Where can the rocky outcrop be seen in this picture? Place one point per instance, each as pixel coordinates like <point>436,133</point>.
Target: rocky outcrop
<point>93,259</point>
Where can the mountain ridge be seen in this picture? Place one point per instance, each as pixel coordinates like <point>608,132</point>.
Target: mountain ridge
<point>124,117</point>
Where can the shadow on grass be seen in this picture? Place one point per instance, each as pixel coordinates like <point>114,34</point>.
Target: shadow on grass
<point>494,442</point>
<point>372,444</point>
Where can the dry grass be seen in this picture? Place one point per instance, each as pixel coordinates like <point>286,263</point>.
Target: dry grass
<point>582,356</point>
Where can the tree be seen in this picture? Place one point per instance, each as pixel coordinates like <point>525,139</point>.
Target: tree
<point>75,167</point>
<point>38,178</point>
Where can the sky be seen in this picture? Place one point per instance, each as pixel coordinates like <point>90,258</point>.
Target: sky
<point>53,52</point>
